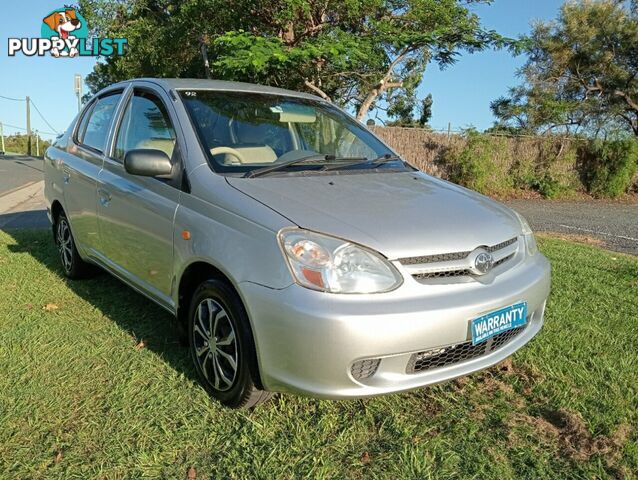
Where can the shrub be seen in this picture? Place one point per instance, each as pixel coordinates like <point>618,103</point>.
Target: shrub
<point>609,166</point>
<point>549,186</point>
<point>546,165</point>
<point>481,164</point>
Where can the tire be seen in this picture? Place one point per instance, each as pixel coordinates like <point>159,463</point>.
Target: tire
<point>222,346</point>
<point>72,264</point>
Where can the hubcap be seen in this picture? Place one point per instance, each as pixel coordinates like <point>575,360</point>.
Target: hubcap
<point>65,244</point>
<point>215,344</point>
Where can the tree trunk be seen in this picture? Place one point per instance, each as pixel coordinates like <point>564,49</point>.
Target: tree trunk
<point>381,87</point>
<point>204,50</point>
<point>384,84</point>
<point>317,90</point>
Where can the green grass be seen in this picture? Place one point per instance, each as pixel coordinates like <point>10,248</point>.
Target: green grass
<point>79,400</point>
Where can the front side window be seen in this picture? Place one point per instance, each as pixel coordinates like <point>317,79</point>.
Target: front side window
<point>94,128</point>
<point>242,132</point>
<point>145,125</point>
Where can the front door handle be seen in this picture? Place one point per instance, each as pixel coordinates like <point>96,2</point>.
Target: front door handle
<point>104,196</point>
<point>66,174</point>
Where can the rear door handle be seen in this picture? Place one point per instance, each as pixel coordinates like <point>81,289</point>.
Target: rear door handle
<point>66,174</point>
<point>104,196</point>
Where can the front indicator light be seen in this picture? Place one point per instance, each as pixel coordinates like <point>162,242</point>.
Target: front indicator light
<point>528,235</point>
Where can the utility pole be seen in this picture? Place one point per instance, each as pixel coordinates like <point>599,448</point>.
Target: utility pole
<point>77,84</point>
<point>2,135</point>
<point>28,126</point>
<point>37,143</point>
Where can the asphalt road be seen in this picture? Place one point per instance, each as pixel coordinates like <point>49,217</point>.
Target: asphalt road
<point>614,224</point>
<point>17,171</point>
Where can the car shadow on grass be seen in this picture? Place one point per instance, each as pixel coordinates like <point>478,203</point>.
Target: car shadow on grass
<point>149,325</point>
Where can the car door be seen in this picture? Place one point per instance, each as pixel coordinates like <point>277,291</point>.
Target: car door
<point>135,213</point>
<point>80,169</point>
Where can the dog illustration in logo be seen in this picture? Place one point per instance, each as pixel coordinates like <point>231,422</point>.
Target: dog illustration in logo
<point>63,23</point>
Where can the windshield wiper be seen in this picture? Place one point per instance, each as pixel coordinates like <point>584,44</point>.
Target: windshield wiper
<point>380,160</point>
<point>283,165</point>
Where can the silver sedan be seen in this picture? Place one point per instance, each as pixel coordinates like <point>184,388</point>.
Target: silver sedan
<point>296,250</point>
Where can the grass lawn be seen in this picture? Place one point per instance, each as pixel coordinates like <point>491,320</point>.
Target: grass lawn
<point>80,397</point>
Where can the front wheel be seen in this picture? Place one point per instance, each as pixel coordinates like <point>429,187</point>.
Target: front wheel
<point>222,347</point>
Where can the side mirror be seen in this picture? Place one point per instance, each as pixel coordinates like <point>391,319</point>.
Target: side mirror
<point>147,163</point>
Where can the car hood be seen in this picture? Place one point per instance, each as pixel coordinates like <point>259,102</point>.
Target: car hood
<point>397,214</point>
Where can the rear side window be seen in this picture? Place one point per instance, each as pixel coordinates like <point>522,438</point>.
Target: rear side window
<point>94,129</point>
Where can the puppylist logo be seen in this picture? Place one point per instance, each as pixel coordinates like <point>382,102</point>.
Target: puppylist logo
<point>64,33</point>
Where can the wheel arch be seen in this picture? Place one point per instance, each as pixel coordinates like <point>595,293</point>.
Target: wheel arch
<point>56,209</point>
<point>193,275</point>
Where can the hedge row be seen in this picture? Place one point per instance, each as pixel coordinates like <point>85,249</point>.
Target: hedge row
<point>554,167</point>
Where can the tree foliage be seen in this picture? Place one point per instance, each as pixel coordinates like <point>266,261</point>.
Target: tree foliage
<point>582,72</point>
<point>363,54</point>
<point>17,143</point>
<point>402,111</point>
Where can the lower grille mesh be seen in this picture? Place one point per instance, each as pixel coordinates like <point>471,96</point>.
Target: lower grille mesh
<point>442,357</point>
<point>365,368</point>
<point>448,274</point>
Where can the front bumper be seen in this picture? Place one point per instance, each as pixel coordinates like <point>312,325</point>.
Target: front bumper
<point>307,341</point>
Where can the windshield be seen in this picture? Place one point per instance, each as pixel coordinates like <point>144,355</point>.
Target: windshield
<point>242,132</point>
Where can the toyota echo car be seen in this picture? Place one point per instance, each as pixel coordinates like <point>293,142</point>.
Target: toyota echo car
<point>297,252</point>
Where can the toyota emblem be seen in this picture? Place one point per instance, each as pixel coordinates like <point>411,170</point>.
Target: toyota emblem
<point>483,263</point>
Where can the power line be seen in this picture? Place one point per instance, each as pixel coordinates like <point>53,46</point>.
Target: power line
<point>55,130</point>
<point>13,99</point>
<point>15,127</point>
<point>44,119</point>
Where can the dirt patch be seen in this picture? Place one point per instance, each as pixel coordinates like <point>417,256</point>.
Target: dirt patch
<point>543,429</point>
<point>525,376</point>
<point>501,379</point>
<point>490,384</point>
<point>506,367</point>
<point>574,439</point>
<point>526,373</point>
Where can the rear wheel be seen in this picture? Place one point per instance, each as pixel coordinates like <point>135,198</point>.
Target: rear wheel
<point>72,264</point>
<point>221,346</point>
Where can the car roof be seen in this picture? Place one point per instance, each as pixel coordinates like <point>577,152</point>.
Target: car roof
<point>220,85</point>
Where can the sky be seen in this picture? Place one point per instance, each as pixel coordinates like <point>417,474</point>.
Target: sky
<point>462,93</point>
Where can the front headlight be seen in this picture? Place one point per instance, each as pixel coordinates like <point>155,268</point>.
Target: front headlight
<point>530,240</point>
<point>329,264</point>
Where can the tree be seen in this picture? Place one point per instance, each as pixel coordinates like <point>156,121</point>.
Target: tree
<point>402,111</point>
<point>582,72</point>
<point>17,143</point>
<point>164,36</point>
<point>359,53</point>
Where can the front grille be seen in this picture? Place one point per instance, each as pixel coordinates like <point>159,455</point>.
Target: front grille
<point>502,245</point>
<point>446,257</point>
<point>454,264</point>
<point>460,352</point>
<point>451,273</point>
<point>441,257</point>
<point>365,368</point>
<point>502,260</point>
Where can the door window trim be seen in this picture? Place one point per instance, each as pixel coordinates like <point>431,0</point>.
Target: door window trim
<point>86,114</point>
<point>126,103</point>
<point>129,93</point>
